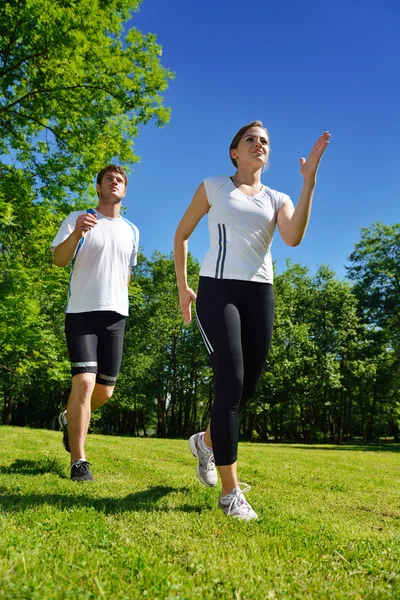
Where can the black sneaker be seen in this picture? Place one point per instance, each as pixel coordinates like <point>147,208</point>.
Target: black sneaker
<point>62,419</point>
<point>80,471</point>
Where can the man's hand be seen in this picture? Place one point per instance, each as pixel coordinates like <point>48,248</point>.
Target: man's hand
<point>84,223</point>
<point>65,252</point>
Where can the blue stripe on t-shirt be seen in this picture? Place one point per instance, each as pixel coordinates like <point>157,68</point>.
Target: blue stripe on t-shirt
<point>81,241</point>
<point>91,211</point>
<point>131,225</point>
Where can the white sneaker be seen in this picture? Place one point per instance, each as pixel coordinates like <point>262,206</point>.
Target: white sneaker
<point>205,470</point>
<point>235,504</point>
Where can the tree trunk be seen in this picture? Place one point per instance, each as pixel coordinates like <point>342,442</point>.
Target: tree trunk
<point>7,408</point>
<point>161,428</point>
<point>172,431</point>
<point>370,430</point>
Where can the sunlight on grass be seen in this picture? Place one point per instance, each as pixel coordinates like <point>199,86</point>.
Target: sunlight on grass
<point>329,523</point>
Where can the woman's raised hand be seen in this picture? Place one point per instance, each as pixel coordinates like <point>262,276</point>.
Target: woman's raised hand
<point>309,167</point>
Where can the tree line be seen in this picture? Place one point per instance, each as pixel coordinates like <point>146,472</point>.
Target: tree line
<point>332,375</point>
<point>75,86</point>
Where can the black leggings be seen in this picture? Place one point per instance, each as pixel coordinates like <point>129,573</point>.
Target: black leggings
<point>235,318</point>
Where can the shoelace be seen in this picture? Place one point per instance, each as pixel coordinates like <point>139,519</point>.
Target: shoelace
<point>82,466</point>
<point>209,456</point>
<point>211,463</point>
<point>239,501</point>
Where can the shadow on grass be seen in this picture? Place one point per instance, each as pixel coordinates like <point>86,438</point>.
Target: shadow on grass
<point>145,500</point>
<point>353,448</point>
<point>35,467</point>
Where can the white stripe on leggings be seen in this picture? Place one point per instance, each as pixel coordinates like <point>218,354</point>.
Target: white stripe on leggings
<point>205,338</point>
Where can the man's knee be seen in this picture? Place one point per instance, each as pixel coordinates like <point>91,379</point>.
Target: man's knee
<point>83,384</point>
<point>102,393</point>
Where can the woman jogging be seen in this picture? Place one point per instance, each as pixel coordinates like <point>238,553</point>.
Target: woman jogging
<point>235,299</point>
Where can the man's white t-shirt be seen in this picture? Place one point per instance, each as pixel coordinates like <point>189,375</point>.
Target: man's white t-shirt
<point>241,231</point>
<point>99,271</point>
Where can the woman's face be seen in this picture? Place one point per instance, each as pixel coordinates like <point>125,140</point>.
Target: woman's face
<point>253,148</point>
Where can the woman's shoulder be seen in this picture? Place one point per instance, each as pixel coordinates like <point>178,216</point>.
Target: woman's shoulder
<point>216,182</point>
<point>278,199</point>
<point>213,185</point>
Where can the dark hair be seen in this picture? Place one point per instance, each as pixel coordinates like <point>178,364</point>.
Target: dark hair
<point>240,134</point>
<point>112,168</point>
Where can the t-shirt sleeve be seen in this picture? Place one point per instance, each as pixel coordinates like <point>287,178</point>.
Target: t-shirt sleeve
<point>209,185</point>
<point>66,228</point>
<point>212,185</point>
<point>280,200</point>
<point>133,261</point>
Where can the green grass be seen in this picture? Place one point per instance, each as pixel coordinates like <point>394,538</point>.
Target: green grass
<point>329,522</point>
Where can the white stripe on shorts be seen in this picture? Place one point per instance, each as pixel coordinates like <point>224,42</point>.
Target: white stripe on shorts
<point>106,377</point>
<point>89,363</point>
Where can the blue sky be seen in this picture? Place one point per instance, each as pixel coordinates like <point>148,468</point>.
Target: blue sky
<point>300,67</point>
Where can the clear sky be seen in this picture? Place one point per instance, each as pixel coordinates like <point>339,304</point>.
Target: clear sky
<point>300,67</point>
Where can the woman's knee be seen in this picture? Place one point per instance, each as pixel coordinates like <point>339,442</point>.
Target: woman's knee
<point>228,392</point>
<point>250,389</point>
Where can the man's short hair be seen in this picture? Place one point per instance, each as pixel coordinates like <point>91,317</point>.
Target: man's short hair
<point>114,169</point>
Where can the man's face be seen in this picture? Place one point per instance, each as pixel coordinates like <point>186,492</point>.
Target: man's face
<point>112,187</point>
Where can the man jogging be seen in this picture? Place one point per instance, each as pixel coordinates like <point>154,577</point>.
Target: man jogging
<point>101,246</point>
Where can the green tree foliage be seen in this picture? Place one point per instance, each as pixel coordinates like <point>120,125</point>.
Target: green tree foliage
<point>323,380</point>
<point>32,300</point>
<point>375,270</point>
<point>327,379</point>
<point>337,334</point>
<point>286,380</point>
<point>165,381</point>
<point>74,87</point>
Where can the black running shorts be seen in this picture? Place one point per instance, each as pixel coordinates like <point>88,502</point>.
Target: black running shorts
<point>95,342</point>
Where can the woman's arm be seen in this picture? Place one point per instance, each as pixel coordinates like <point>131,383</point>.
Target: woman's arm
<point>197,209</point>
<point>292,223</point>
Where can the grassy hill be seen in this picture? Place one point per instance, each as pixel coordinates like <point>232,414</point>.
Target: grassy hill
<point>329,523</point>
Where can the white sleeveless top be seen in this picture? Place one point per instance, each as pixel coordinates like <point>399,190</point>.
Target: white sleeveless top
<point>241,231</point>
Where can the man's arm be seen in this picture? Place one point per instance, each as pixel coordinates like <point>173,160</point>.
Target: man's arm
<point>65,252</point>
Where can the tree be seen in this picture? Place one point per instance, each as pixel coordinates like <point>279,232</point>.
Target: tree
<point>337,334</point>
<point>74,88</point>
<point>375,270</point>
<point>284,386</point>
<point>32,300</point>
<point>178,372</point>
